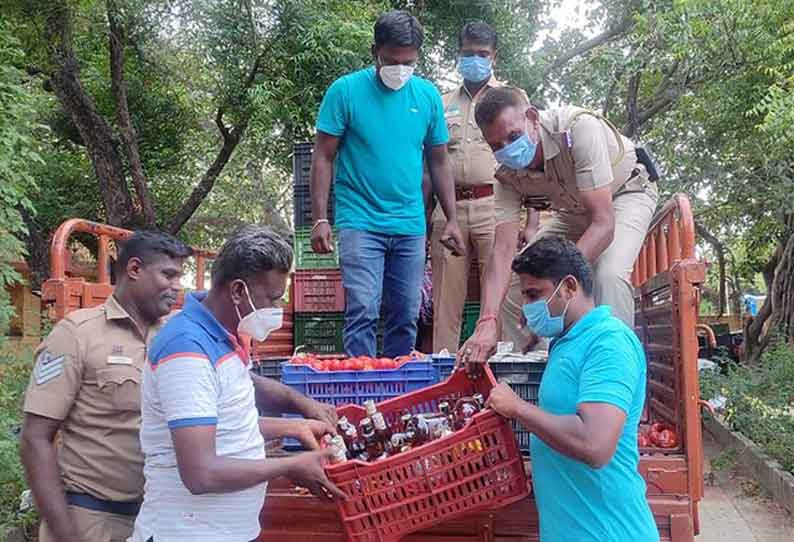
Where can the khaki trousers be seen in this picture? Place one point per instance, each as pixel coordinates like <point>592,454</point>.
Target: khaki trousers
<point>635,205</point>
<point>451,273</point>
<point>93,526</point>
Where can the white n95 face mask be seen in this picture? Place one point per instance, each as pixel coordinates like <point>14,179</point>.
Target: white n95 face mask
<point>395,77</point>
<point>259,323</point>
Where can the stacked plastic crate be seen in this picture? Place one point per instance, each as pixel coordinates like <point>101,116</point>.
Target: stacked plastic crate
<point>269,355</point>
<point>317,282</point>
<point>471,310</point>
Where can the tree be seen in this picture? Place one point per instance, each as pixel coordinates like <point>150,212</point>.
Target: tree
<point>17,151</point>
<point>707,85</point>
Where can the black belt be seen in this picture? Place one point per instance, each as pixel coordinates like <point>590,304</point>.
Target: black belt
<point>111,507</point>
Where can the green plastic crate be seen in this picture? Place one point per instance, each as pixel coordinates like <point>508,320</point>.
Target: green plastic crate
<point>320,333</point>
<point>306,258</point>
<point>471,313</point>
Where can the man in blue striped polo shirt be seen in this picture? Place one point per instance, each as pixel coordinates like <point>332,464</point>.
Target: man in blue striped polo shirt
<point>205,466</point>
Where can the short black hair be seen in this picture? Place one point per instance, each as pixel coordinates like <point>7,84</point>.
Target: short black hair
<point>478,32</point>
<point>554,258</point>
<point>398,29</point>
<point>143,244</point>
<point>496,100</point>
<point>250,250</point>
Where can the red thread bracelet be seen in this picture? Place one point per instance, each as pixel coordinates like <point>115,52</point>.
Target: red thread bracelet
<point>486,318</point>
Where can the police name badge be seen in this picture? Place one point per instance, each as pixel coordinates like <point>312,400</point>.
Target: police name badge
<point>119,360</point>
<point>48,366</point>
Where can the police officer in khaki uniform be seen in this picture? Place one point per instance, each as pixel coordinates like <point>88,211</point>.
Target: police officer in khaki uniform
<point>574,162</point>
<point>85,386</point>
<point>473,167</point>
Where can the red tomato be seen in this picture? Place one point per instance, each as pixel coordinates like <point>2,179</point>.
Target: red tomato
<point>657,427</point>
<point>642,440</point>
<point>348,365</point>
<point>667,439</point>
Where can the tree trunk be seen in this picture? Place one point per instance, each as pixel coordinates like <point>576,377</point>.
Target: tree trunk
<point>719,251</point>
<point>775,319</point>
<point>38,257</point>
<point>126,129</point>
<point>95,132</point>
<point>782,291</point>
<point>230,140</point>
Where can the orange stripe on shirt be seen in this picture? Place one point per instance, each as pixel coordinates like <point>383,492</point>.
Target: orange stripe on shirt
<point>194,355</point>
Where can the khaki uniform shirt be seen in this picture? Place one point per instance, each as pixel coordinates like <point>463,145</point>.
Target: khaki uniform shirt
<point>581,153</point>
<point>88,375</point>
<point>472,159</point>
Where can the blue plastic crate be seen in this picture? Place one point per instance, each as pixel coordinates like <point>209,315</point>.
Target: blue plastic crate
<point>444,365</point>
<point>523,374</point>
<point>344,387</point>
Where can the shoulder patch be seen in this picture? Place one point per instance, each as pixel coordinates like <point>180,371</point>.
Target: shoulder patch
<point>48,366</point>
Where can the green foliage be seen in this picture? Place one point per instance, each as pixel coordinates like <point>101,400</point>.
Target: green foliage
<point>760,401</point>
<point>17,153</point>
<point>14,374</point>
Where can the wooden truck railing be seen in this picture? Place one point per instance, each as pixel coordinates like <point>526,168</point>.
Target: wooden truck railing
<point>64,294</point>
<point>667,279</point>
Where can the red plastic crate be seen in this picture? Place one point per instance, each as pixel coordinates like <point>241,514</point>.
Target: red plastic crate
<point>279,344</point>
<point>478,467</point>
<point>319,291</point>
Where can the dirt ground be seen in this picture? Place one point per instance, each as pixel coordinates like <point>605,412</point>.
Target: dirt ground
<point>735,508</point>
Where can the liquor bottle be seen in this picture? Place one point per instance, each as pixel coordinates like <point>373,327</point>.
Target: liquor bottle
<point>405,421</point>
<point>437,425</point>
<point>381,428</point>
<point>338,448</point>
<point>348,431</point>
<point>465,409</point>
<point>401,442</point>
<point>358,451</point>
<point>374,447</point>
<point>446,411</point>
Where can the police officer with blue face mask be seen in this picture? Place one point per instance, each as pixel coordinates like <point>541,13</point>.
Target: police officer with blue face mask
<point>574,163</point>
<point>473,167</point>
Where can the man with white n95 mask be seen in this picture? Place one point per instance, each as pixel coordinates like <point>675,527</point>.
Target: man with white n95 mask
<point>205,465</point>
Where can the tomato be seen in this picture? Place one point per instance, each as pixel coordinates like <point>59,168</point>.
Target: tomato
<point>317,365</point>
<point>657,427</point>
<point>667,439</point>
<point>348,365</point>
<point>642,440</point>
<point>402,359</point>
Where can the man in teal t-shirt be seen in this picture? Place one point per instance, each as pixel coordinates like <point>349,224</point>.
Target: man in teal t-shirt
<point>374,127</point>
<point>584,429</point>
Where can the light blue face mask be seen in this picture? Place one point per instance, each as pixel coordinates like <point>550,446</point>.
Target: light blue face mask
<point>518,154</point>
<point>474,68</point>
<point>540,320</point>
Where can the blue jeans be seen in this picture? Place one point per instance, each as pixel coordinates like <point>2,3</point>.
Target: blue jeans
<point>381,268</point>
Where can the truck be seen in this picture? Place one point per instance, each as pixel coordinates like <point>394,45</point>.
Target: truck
<point>666,279</point>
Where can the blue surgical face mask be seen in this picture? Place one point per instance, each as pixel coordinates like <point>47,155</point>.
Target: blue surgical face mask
<point>540,320</point>
<point>474,68</point>
<point>518,154</point>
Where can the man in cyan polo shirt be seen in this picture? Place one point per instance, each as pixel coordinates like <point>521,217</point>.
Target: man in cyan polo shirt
<point>373,129</point>
<point>584,429</point>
